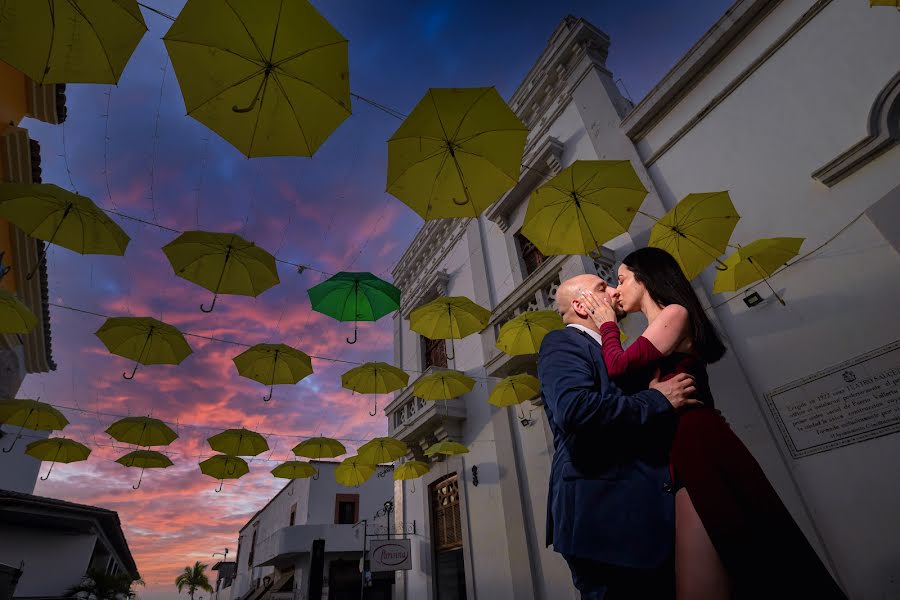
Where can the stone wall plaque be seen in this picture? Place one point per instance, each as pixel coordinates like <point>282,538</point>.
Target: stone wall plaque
<point>852,402</point>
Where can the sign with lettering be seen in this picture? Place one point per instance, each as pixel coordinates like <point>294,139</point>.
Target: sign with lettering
<point>390,555</point>
<point>855,401</point>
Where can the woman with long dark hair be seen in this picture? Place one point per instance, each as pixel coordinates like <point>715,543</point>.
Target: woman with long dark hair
<point>733,535</point>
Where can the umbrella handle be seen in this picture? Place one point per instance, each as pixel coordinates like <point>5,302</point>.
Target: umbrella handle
<point>48,472</point>
<point>133,371</point>
<point>16,439</point>
<point>212,306</point>
<point>269,396</point>
<point>316,476</point>
<point>247,109</point>
<point>374,413</point>
<point>140,356</point>
<point>272,386</point>
<point>452,351</point>
<point>412,490</point>
<point>221,483</point>
<point>355,336</point>
<point>134,487</point>
<point>291,493</point>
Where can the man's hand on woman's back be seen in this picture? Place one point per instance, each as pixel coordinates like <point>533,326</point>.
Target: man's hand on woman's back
<point>679,390</point>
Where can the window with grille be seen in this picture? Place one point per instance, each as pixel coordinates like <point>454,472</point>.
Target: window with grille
<point>446,526</point>
<point>435,353</point>
<point>531,256</point>
<point>346,509</point>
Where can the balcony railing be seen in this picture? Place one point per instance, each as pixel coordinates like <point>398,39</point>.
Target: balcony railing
<point>411,418</point>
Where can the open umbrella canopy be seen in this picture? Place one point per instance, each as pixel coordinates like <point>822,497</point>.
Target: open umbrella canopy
<point>457,152</point>
<point>15,317</point>
<point>382,450</point>
<point>145,459</point>
<point>70,41</point>
<point>443,385</point>
<point>273,364</point>
<point>755,261</point>
<point>50,213</point>
<point>294,469</point>
<point>221,466</point>
<point>588,204</point>
<point>57,450</point>
<point>696,231</point>
<point>61,450</point>
<point>354,297</point>
<point>411,469</point>
<point>375,378</point>
<point>449,317</point>
<point>271,78</point>
<point>31,414</point>
<point>515,389</point>
<point>223,263</point>
<point>524,333</point>
<point>353,471</point>
<point>142,431</point>
<point>319,447</point>
<point>238,442</point>
<point>144,340</point>
<point>447,447</point>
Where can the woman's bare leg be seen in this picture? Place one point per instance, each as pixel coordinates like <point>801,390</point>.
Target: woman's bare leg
<point>699,572</point>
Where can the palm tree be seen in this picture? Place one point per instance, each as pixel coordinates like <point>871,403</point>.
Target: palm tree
<point>193,578</point>
<point>98,585</point>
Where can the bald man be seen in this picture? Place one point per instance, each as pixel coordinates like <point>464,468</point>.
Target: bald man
<point>611,510</point>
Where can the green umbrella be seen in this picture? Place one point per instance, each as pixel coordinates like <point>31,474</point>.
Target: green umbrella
<point>354,297</point>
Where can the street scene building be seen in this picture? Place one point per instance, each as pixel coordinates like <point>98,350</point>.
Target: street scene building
<point>307,542</point>
<point>719,120</point>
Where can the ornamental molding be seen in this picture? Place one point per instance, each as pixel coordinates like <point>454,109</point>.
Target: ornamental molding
<point>542,164</point>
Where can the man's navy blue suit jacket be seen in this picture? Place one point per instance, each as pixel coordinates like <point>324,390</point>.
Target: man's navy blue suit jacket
<point>610,497</point>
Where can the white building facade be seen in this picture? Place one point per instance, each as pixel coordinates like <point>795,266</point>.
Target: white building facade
<point>794,108</point>
<point>307,542</point>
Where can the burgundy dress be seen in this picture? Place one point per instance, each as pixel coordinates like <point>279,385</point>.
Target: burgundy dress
<point>757,539</point>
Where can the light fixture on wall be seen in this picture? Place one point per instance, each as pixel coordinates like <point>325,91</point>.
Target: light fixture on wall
<point>752,299</point>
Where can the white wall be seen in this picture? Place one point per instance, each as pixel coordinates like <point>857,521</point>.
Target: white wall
<point>54,560</point>
<point>18,471</point>
<point>805,106</point>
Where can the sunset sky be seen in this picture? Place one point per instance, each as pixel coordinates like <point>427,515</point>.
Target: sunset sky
<point>330,212</point>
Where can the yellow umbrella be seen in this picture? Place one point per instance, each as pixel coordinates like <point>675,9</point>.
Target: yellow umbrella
<point>374,378</point>
<point>449,317</point>
<point>294,469</point>
<point>15,317</point>
<point>524,334</point>
<point>144,340</point>
<point>142,431</point>
<point>589,203</point>
<point>756,261</point>
<point>57,450</point>
<point>443,385</point>
<point>238,442</point>
<point>319,447</point>
<point>224,467</point>
<point>457,152</point>
<point>50,213</point>
<point>515,389</point>
<point>696,231</point>
<point>30,414</point>
<point>353,471</point>
<point>223,263</point>
<point>411,469</point>
<point>382,450</point>
<point>893,3</point>
<point>269,77</point>
<point>447,447</point>
<point>70,41</point>
<point>144,459</point>
<point>273,363</point>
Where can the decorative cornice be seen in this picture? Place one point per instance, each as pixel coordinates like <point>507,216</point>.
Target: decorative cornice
<point>432,243</point>
<point>726,33</point>
<point>549,79</point>
<point>544,162</point>
<point>884,133</point>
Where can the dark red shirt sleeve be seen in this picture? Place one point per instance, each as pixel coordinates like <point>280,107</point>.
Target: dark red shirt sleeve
<point>641,353</point>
